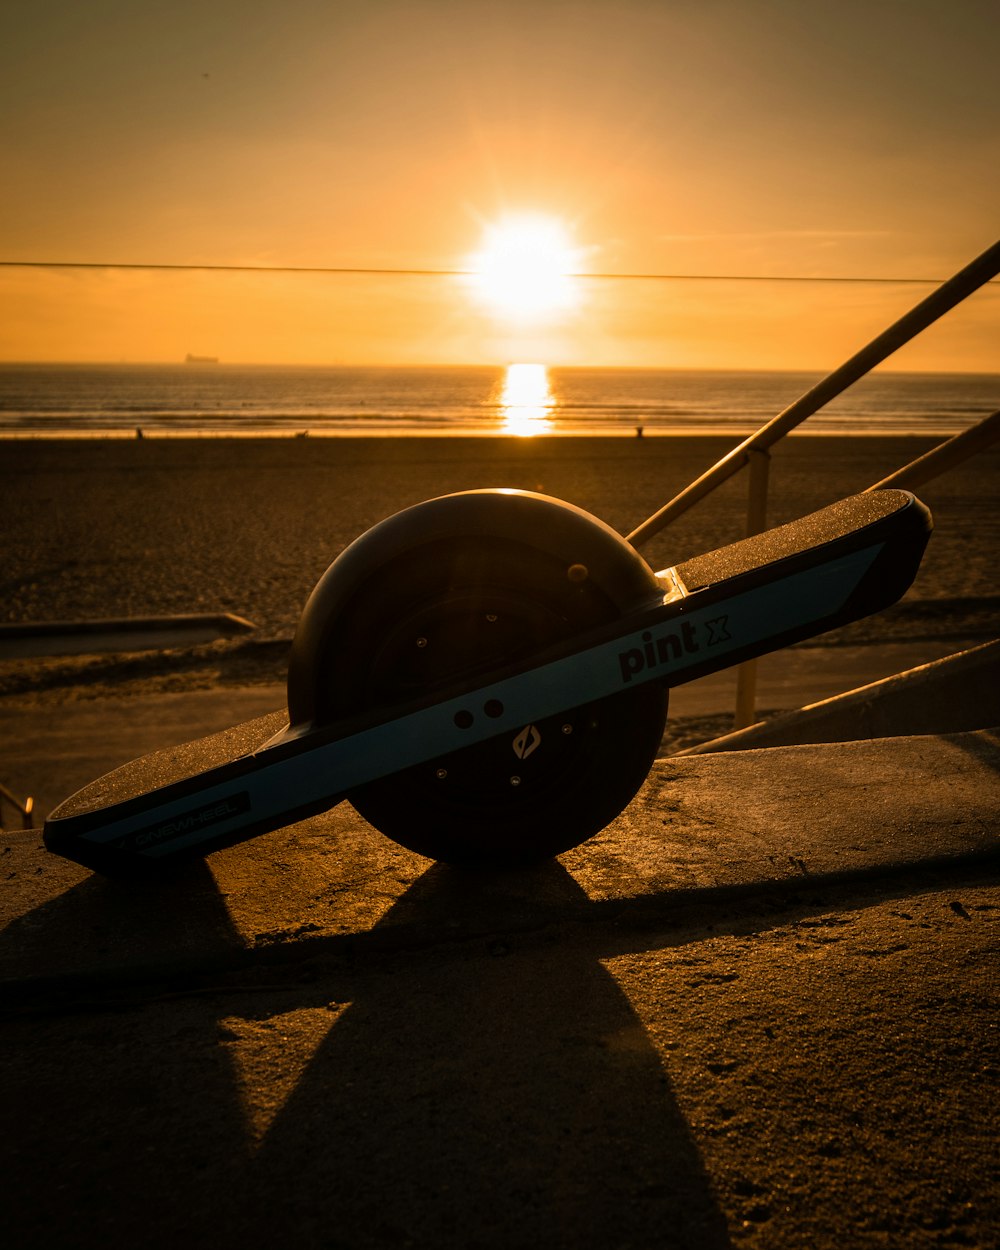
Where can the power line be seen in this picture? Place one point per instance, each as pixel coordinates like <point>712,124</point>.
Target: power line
<point>454,273</point>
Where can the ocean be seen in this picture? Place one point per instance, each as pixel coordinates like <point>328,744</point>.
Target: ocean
<point>202,398</point>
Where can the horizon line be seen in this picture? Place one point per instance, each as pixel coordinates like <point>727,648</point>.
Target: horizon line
<point>411,364</point>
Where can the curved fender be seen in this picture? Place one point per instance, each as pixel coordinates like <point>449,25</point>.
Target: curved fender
<point>560,529</point>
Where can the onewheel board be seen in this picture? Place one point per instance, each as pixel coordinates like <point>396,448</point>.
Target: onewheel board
<point>485,677</point>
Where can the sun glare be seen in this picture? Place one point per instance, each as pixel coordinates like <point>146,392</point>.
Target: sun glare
<point>526,401</point>
<point>524,270</point>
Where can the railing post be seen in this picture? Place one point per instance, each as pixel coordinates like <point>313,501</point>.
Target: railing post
<point>24,809</point>
<point>759,463</point>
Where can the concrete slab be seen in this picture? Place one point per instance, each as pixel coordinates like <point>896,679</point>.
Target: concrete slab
<point>759,1009</point>
<point>701,827</point>
<point>814,1070</point>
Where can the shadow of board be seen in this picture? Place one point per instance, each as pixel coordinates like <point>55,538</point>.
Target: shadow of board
<point>458,1099</point>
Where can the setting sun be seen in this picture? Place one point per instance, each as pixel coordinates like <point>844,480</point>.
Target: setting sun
<point>524,270</point>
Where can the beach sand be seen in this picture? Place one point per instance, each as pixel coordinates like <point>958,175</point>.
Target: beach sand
<point>113,527</point>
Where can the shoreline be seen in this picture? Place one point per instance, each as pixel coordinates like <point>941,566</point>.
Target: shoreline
<point>131,433</point>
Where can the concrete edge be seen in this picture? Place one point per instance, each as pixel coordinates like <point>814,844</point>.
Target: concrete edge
<point>35,639</point>
<point>224,622</point>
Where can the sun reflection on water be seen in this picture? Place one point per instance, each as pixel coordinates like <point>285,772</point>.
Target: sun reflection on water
<point>526,401</point>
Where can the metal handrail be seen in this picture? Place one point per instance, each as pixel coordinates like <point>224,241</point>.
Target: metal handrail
<point>932,464</point>
<point>945,456</point>
<point>755,450</point>
<point>976,274</point>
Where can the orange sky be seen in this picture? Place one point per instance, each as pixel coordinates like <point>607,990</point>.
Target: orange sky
<point>768,137</point>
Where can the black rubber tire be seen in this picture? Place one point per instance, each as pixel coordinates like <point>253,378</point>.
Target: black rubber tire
<point>452,604</point>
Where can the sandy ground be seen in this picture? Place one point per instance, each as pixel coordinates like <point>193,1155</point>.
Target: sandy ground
<point>129,528</point>
<point>120,528</point>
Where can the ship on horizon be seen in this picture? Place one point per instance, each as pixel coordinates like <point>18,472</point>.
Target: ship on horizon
<point>190,359</point>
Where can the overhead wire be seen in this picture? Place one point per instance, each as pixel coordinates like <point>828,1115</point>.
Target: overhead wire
<point>377,271</point>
